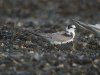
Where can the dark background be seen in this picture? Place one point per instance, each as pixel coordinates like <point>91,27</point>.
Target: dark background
<point>51,9</point>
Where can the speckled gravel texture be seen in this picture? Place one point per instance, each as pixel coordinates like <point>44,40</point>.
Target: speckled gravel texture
<point>24,53</point>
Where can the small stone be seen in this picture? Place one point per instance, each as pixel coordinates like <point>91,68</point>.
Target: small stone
<point>74,64</point>
<point>19,24</point>
<point>7,50</point>
<point>16,46</point>
<point>60,65</point>
<point>84,44</point>
<point>2,65</point>
<point>2,44</point>
<point>86,37</point>
<point>23,46</point>
<point>91,35</point>
<point>28,42</point>
<point>96,60</point>
<point>31,52</point>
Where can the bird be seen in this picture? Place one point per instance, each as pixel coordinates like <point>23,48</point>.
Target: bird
<point>95,29</point>
<point>61,37</point>
<point>58,38</point>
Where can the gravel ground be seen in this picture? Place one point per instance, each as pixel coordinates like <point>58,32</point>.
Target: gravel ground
<point>24,53</point>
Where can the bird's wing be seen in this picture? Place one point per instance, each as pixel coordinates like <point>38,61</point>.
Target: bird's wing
<point>56,38</point>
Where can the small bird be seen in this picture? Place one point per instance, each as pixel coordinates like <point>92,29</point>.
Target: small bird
<point>93,28</point>
<point>62,37</point>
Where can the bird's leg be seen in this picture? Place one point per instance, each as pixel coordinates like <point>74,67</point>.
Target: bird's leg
<point>75,42</point>
<point>74,46</point>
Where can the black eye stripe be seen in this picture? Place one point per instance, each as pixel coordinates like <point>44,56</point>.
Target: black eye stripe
<point>69,26</point>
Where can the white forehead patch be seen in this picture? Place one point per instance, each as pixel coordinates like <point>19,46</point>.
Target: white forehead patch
<point>73,26</point>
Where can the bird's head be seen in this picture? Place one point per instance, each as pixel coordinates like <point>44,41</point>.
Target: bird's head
<point>70,30</point>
